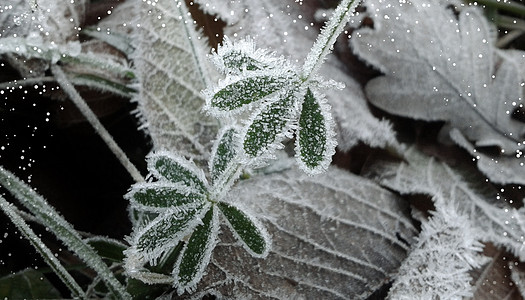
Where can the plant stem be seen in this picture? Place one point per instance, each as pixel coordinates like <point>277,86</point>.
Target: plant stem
<point>75,97</point>
<point>326,39</point>
<point>48,256</point>
<point>507,5</point>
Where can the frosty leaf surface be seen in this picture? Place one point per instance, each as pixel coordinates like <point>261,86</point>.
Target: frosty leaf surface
<point>268,125</point>
<point>246,91</point>
<point>171,70</point>
<point>441,67</point>
<point>196,254</point>
<point>157,196</point>
<point>354,121</point>
<point>165,231</point>
<point>499,223</point>
<point>315,143</point>
<point>252,236</point>
<point>334,236</point>
<point>224,152</point>
<point>176,169</point>
<point>438,266</point>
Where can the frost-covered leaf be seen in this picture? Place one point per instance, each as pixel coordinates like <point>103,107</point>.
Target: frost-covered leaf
<point>196,254</point>
<point>439,264</point>
<point>245,91</point>
<point>315,142</point>
<point>500,223</point>
<point>502,169</point>
<point>27,284</point>
<point>268,125</point>
<point>164,232</point>
<point>354,121</point>
<point>176,169</point>
<point>253,236</point>
<point>157,196</point>
<point>107,248</point>
<point>171,69</point>
<point>335,236</point>
<point>224,152</point>
<point>439,66</point>
<point>518,276</point>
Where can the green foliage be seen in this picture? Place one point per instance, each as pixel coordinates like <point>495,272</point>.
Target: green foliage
<point>27,284</point>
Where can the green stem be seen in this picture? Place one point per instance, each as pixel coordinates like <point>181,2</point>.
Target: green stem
<point>509,22</point>
<point>508,6</point>
<point>326,39</point>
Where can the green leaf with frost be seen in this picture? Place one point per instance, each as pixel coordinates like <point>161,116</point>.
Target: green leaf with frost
<point>166,231</point>
<point>27,284</point>
<point>254,237</point>
<point>223,152</point>
<point>245,91</point>
<point>195,256</point>
<point>156,196</point>
<point>269,125</point>
<point>314,145</point>
<point>107,248</point>
<point>177,169</point>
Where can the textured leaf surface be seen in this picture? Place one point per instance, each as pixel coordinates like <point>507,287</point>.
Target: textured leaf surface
<point>334,236</point>
<point>224,152</point>
<point>197,252</point>
<point>315,143</point>
<point>246,91</point>
<point>27,284</point>
<point>441,67</point>
<point>498,222</point>
<point>438,266</point>
<point>268,125</point>
<point>163,233</point>
<point>158,196</point>
<point>170,66</point>
<point>253,237</point>
<point>176,169</point>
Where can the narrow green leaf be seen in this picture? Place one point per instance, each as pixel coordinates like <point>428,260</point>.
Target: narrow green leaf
<point>196,255</point>
<point>253,236</point>
<point>265,128</point>
<point>313,134</point>
<point>246,91</point>
<point>224,151</point>
<point>157,195</point>
<point>107,248</point>
<point>177,169</point>
<point>166,231</point>
<point>27,284</point>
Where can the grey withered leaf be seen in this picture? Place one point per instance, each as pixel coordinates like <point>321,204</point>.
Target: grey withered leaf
<point>335,236</point>
<point>441,66</point>
<point>170,62</point>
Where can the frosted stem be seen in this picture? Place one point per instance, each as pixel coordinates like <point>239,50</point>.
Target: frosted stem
<point>36,242</point>
<point>75,97</point>
<point>25,82</point>
<point>326,39</point>
<point>64,231</point>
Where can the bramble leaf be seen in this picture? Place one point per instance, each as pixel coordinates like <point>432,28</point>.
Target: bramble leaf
<point>156,196</point>
<point>165,165</point>
<point>314,145</point>
<point>196,255</point>
<point>254,237</point>
<point>268,127</point>
<point>223,152</point>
